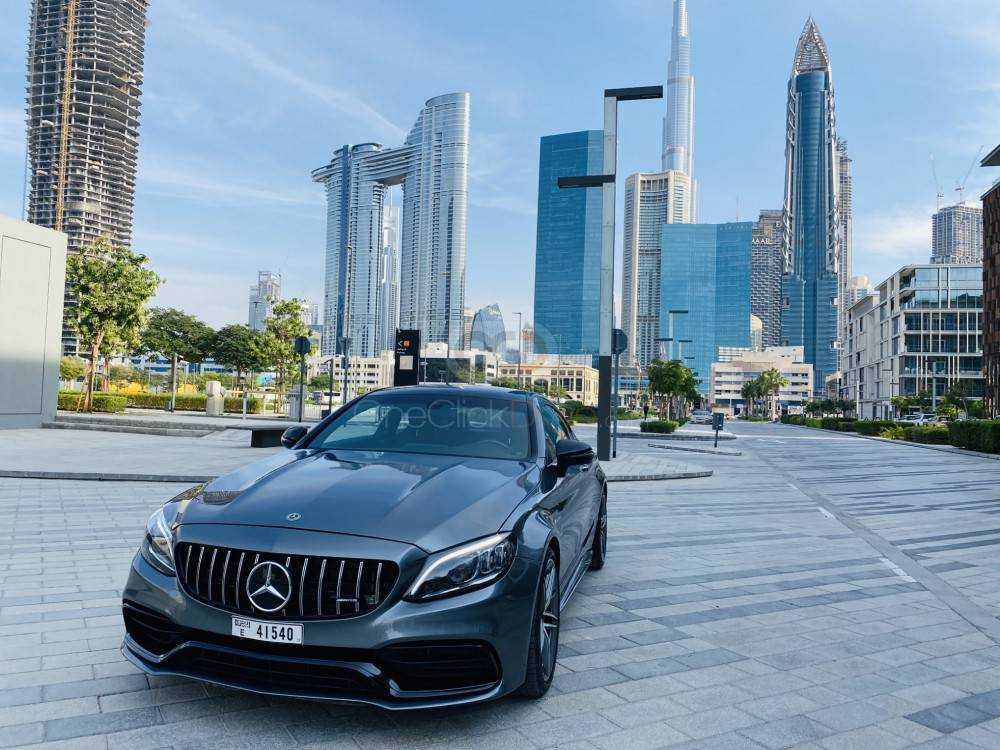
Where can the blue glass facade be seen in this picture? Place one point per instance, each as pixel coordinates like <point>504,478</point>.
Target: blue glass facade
<point>705,269</point>
<point>568,246</point>
<point>809,291</point>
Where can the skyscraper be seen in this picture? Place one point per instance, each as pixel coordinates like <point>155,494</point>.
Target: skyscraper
<point>488,333</point>
<point>765,275</point>
<point>812,227</point>
<point>650,202</point>
<point>957,235</point>
<point>432,165</point>
<point>653,199</point>
<point>678,123</point>
<point>845,212</point>
<point>263,295</point>
<point>568,246</point>
<point>706,271</point>
<point>84,84</point>
<point>389,280</point>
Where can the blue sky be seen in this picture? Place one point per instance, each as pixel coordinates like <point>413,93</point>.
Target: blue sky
<point>242,101</point>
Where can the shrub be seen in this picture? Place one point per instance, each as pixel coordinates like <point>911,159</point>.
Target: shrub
<point>932,434</point>
<point>109,403</point>
<point>976,435</point>
<point>661,426</point>
<point>893,433</point>
<point>793,419</point>
<point>872,426</point>
<point>232,404</point>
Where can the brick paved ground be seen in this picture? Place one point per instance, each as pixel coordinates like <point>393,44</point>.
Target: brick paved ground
<point>818,591</point>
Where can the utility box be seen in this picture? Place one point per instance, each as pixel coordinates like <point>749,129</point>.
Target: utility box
<point>32,285</point>
<point>215,403</point>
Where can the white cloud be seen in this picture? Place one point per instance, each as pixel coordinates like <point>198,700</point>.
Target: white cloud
<point>170,181</point>
<point>247,53</point>
<point>886,240</point>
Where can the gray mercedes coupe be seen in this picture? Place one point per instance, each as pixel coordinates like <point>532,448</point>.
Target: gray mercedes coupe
<point>414,549</point>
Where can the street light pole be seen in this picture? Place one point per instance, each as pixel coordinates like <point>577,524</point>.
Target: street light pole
<point>607,294</point>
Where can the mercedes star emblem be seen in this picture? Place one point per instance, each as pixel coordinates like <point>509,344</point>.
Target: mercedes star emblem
<point>293,516</point>
<point>269,586</point>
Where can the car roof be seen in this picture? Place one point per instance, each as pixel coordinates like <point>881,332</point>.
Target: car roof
<point>474,389</point>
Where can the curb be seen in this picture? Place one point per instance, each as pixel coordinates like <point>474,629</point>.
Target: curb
<point>674,436</point>
<point>657,477</point>
<point>689,449</point>
<point>91,476</point>
<point>131,429</point>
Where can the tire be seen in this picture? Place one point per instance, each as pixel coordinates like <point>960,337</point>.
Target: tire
<point>599,550</point>
<point>543,647</point>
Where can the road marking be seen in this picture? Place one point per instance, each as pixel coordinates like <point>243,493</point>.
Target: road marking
<point>896,569</point>
<point>826,513</point>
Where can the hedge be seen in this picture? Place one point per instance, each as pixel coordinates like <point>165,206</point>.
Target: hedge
<point>233,405</point>
<point>874,427</point>
<point>102,402</point>
<point>933,434</point>
<point>661,426</point>
<point>976,435</point>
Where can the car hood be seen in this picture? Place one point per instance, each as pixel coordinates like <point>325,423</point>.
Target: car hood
<point>432,502</point>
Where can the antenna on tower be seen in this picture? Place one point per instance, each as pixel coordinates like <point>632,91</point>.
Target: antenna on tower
<point>937,184</point>
<point>960,187</point>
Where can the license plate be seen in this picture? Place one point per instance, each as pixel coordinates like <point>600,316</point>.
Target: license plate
<point>272,632</point>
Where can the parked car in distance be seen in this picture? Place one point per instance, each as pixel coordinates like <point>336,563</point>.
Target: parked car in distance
<point>415,549</point>
<point>701,416</point>
<point>919,420</point>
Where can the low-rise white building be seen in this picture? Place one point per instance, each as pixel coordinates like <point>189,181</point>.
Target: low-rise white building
<point>920,331</point>
<point>740,366</point>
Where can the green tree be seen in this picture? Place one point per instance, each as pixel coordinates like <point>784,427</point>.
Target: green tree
<point>752,392</point>
<point>670,382</point>
<point>112,286</point>
<point>770,383</point>
<point>239,348</point>
<point>72,368</point>
<point>900,405</point>
<point>280,331</point>
<point>504,382</point>
<point>177,336</point>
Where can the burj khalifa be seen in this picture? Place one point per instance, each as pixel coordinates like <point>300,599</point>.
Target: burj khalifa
<point>678,123</point>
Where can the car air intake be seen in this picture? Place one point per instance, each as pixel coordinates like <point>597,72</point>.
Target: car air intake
<point>322,588</point>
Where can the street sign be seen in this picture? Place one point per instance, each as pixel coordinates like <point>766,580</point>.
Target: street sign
<point>302,345</point>
<point>407,353</point>
<point>619,341</point>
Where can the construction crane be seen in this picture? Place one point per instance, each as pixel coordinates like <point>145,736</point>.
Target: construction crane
<point>62,176</point>
<point>960,186</point>
<point>937,184</point>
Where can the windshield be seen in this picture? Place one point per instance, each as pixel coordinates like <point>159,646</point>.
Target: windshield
<point>447,424</point>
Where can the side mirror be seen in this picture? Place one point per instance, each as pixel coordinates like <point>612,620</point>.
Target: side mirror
<point>572,453</point>
<point>293,435</point>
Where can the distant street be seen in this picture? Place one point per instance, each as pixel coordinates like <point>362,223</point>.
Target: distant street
<point>820,588</point>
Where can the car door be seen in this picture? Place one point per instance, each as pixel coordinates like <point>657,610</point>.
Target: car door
<point>587,498</point>
<point>563,500</point>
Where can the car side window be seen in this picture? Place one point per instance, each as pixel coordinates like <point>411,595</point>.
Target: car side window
<point>555,429</point>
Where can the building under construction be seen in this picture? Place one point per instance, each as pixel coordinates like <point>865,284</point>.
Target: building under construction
<point>85,62</point>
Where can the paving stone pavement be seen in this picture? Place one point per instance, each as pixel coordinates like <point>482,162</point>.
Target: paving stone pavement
<point>820,592</point>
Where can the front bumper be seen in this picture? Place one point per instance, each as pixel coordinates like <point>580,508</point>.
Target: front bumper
<point>405,655</point>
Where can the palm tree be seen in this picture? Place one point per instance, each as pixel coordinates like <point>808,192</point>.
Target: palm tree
<point>771,382</point>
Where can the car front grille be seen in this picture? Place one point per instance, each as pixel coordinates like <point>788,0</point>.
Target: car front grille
<point>325,588</point>
<point>401,671</point>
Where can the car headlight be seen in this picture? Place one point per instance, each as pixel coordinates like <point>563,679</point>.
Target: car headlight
<point>465,568</point>
<point>158,545</point>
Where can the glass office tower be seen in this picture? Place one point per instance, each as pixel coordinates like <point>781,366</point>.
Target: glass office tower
<point>812,231</point>
<point>363,294</point>
<point>568,246</point>
<point>706,270</point>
